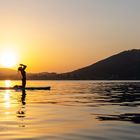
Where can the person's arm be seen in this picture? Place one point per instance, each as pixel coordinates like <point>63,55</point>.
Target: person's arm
<point>23,66</point>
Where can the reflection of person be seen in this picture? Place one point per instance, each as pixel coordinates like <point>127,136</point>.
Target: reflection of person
<point>23,101</point>
<point>21,113</point>
<point>23,73</point>
<point>23,97</point>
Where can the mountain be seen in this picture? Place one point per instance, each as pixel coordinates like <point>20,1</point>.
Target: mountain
<point>42,76</point>
<point>122,66</point>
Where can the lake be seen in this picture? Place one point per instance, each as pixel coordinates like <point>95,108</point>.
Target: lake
<point>71,110</point>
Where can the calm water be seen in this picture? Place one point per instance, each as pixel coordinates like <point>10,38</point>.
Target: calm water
<point>71,110</point>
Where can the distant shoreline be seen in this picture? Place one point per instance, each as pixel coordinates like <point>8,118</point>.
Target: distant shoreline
<point>122,66</point>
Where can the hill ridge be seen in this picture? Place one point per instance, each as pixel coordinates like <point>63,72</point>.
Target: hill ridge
<point>122,66</point>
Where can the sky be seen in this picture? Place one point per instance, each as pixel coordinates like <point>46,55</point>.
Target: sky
<point>65,35</point>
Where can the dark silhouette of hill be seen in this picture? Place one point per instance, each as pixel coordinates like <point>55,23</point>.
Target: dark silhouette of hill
<point>42,76</point>
<point>122,66</point>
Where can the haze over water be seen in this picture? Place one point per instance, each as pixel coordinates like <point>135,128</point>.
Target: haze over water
<point>71,110</point>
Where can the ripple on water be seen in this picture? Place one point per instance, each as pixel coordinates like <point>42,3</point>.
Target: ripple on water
<point>102,110</point>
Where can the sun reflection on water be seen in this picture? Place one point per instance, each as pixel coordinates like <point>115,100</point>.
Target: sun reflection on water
<point>8,83</point>
<point>7,99</point>
<point>13,100</point>
<point>7,95</point>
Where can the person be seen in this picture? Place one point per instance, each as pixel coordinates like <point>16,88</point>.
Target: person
<point>21,69</point>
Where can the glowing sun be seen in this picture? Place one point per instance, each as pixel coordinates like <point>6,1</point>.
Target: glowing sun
<point>8,59</point>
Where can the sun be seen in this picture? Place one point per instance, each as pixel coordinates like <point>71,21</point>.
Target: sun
<point>8,59</point>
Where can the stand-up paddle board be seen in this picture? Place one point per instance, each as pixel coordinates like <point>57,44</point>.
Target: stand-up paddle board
<point>26,88</point>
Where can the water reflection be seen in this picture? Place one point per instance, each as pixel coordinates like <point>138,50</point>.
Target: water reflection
<point>21,111</point>
<point>132,117</point>
<point>72,110</point>
<point>23,97</point>
<point>8,83</point>
<point>119,94</point>
<point>124,94</point>
<point>7,99</point>
<point>13,100</point>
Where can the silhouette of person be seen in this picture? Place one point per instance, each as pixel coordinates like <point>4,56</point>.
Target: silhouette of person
<point>23,74</point>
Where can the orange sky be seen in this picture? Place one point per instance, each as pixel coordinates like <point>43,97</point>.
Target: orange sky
<point>61,36</point>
